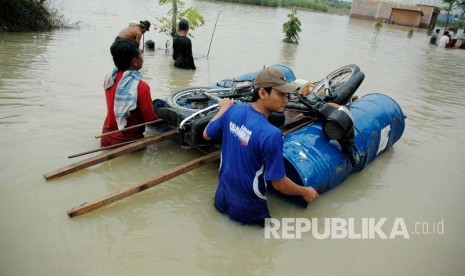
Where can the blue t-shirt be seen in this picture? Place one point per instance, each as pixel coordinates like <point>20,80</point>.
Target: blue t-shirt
<point>251,152</point>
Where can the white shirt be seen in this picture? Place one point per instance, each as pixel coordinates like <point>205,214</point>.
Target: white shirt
<point>443,41</point>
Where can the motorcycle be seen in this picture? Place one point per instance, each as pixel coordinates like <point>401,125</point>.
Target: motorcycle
<point>328,100</point>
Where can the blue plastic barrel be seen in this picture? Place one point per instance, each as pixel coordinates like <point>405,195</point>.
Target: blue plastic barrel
<point>313,160</point>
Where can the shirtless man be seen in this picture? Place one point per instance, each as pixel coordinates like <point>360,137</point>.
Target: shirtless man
<point>134,31</point>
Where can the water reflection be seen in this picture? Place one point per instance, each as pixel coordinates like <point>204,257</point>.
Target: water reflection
<point>288,54</point>
<point>22,63</point>
<point>179,77</point>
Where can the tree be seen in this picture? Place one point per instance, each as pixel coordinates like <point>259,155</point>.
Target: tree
<point>410,33</point>
<point>292,28</point>
<point>378,26</point>
<point>452,4</point>
<point>30,15</point>
<point>168,25</point>
<point>462,7</point>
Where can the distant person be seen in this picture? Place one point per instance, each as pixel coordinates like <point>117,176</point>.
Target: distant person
<point>150,44</point>
<point>128,97</point>
<point>454,36</point>
<point>444,40</point>
<point>182,47</point>
<point>134,31</point>
<point>434,37</point>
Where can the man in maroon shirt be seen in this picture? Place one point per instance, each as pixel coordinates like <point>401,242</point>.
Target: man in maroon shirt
<point>128,97</point>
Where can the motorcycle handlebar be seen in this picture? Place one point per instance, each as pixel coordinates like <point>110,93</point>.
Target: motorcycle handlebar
<point>296,106</point>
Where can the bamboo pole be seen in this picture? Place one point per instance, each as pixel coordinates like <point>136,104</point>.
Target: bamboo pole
<point>144,185</point>
<point>142,143</point>
<point>101,149</point>
<point>213,33</point>
<point>128,128</point>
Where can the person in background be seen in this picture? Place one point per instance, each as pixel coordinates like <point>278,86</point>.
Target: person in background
<point>128,97</point>
<point>150,44</point>
<point>134,31</point>
<point>434,37</point>
<point>252,150</point>
<point>454,36</point>
<point>444,40</point>
<point>182,48</point>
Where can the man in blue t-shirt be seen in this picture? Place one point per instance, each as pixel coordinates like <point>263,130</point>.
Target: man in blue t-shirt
<point>252,150</point>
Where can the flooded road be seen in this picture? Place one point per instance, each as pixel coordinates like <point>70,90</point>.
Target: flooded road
<point>52,105</point>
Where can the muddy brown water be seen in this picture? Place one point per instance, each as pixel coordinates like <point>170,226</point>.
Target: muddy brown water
<point>52,105</point>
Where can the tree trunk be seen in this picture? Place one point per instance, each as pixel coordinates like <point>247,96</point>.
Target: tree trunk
<point>173,18</point>
<point>447,15</point>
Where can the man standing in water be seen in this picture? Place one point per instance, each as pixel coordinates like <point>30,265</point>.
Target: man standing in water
<point>128,97</point>
<point>252,150</point>
<point>134,31</point>
<point>182,47</point>
<point>444,40</point>
<point>434,37</point>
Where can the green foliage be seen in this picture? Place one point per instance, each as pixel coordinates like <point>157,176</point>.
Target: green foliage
<point>430,30</point>
<point>193,16</point>
<point>292,28</point>
<point>452,4</point>
<point>410,33</point>
<point>267,3</point>
<point>339,4</point>
<point>29,15</point>
<point>378,25</point>
<point>168,25</point>
<point>316,5</point>
<point>455,24</point>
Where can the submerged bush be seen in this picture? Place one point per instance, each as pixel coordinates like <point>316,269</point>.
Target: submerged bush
<point>410,33</point>
<point>292,28</point>
<point>29,15</point>
<point>378,25</point>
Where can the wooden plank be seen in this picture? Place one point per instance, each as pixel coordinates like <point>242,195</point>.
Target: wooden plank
<point>141,186</point>
<point>142,143</point>
<point>144,185</point>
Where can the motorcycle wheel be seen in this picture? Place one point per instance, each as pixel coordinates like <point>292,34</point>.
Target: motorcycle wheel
<point>336,79</point>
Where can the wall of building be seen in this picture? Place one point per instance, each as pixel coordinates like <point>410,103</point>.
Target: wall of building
<point>364,9</point>
<point>430,14</point>
<point>405,18</point>
<point>381,10</point>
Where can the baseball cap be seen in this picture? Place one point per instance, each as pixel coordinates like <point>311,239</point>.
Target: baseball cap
<point>183,24</point>
<point>146,24</point>
<point>273,77</point>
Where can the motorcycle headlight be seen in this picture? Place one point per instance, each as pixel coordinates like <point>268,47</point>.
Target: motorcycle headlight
<point>338,122</point>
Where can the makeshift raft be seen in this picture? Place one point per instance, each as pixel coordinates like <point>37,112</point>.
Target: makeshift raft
<point>314,160</point>
<point>311,158</point>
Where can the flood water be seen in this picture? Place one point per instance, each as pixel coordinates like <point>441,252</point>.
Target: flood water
<point>52,105</point>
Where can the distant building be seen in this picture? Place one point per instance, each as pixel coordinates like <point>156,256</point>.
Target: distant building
<point>413,15</point>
